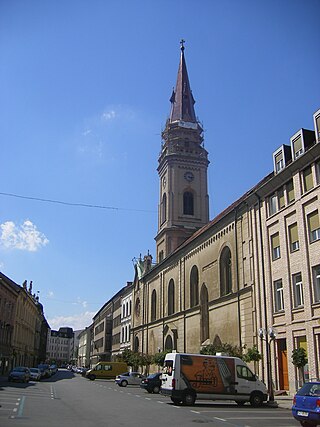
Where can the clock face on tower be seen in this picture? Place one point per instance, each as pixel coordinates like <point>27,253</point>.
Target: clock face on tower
<point>188,176</point>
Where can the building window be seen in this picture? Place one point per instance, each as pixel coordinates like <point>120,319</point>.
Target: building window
<point>318,172</point>
<point>290,191</point>
<point>168,345</point>
<point>293,236</point>
<point>164,208</point>
<point>225,272</point>
<point>153,305</point>
<point>278,296</point>
<point>281,198</point>
<point>297,290</point>
<point>160,256</point>
<point>307,179</point>
<point>194,286</point>
<point>187,203</point>
<point>275,246</point>
<point>273,204</point>
<point>137,307</point>
<point>171,297</point>
<point>314,227</point>
<point>279,161</point>
<point>316,282</point>
<point>204,313</point>
<point>297,147</point>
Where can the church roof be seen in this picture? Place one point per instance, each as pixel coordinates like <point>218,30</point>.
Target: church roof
<point>182,101</point>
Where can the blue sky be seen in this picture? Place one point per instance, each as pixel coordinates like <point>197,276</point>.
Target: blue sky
<point>85,88</point>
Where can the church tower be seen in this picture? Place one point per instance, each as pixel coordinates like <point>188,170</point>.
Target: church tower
<point>183,164</point>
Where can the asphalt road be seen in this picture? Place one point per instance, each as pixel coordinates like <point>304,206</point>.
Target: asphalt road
<point>69,400</point>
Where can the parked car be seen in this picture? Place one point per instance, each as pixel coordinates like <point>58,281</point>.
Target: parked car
<point>306,404</point>
<point>35,374</point>
<point>45,370</point>
<point>129,378</point>
<point>152,383</point>
<point>19,373</point>
<point>53,369</point>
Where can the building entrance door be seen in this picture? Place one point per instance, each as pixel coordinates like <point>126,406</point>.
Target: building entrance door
<point>283,364</point>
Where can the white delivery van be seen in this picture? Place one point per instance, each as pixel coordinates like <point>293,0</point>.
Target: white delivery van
<point>187,377</point>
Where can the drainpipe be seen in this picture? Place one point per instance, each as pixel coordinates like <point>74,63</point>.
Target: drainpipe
<point>237,277</point>
<point>263,289</point>
<point>184,305</point>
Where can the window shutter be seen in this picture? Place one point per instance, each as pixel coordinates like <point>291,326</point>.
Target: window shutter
<point>297,145</point>
<point>281,199</point>
<point>307,178</point>
<point>275,241</point>
<point>293,231</point>
<point>290,191</point>
<point>313,220</point>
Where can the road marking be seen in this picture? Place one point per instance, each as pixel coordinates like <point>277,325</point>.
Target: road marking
<point>195,412</point>
<point>21,407</point>
<point>220,419</point>
<point>260,418</point>
<point>137,395</point>
<point>147,398</point>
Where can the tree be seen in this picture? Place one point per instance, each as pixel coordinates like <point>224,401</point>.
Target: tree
<point>252,355</point>
<point>158,358</point>
<point>229,349</point>
<point>299,359</point>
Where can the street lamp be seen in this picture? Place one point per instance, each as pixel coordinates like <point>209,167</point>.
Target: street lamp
<point>268,336</point>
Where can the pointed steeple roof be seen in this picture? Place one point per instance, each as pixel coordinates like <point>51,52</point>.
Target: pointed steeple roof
<point>182,101</point>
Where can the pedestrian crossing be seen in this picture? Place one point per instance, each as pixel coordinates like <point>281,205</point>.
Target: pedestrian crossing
<point>13,398</point>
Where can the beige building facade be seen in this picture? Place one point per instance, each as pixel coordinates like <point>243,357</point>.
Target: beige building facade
<point>252,268</point>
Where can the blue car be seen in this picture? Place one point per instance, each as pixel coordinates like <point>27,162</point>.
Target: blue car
<point>306,404</point>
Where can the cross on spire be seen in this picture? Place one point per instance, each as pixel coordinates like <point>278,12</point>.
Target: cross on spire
<point>182,42</point>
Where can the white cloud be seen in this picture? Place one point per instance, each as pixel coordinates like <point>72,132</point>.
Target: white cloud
<point>108,115</point>
<point>50,294</point>
<point>76,322</point>
<point>25,237</point>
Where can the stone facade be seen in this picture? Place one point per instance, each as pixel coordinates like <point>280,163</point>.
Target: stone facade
<point>254,267</point>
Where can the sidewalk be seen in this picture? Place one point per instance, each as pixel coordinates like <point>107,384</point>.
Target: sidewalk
<point>284,402</point>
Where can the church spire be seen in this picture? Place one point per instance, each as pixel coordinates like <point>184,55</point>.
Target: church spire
<point>182,102</point>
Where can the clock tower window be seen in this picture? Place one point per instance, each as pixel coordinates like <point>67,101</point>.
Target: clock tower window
<point>164,208</point>
<point>188,205</point>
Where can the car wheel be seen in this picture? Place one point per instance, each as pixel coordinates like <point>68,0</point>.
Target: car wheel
<point>148,390</point>
<point>92,377</point>
<point>156,389</point>
<point>124,383</point>
<point>256,400</point>
<point>240,402</point>
<point>176,401</point>
<point>189,398</point>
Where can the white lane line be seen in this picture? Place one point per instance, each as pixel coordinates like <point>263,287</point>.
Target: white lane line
<point>195,412</point>
<point>220,419</point>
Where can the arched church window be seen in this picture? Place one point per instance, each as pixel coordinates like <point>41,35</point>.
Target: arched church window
<point>188,208</point>
<point>137,307</point>
<point>225,272</point>
<point>171,297</point>
<point>194,286</point>
<point>168,345</point>
<point>204,313</point>
<point>153,305</point>
<point>136,344</point>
